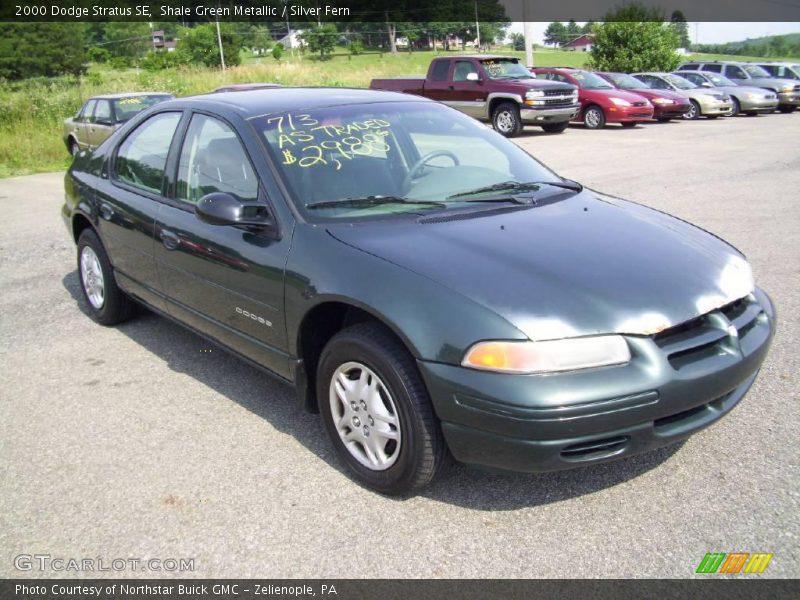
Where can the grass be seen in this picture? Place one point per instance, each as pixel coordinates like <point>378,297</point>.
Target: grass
<point>32,111</point>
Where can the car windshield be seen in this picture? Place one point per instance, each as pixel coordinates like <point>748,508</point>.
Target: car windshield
<point>126,108</point>
<point>505,69</point>
<point>719,80</point>
<point>679,82</point>
<point>627,82</point>
<point>590,81</point>
<point>755,71</point>
<point>393,158</point>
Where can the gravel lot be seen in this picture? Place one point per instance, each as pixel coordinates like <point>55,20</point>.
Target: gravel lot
<point>144,441</point>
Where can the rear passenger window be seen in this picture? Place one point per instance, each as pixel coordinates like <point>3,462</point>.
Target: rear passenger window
<point>713,68</point>
<point>142,156</point>
<point>688,67</point>
<point>735,72</point>
<point>213,160</point>
<point>440,68</point>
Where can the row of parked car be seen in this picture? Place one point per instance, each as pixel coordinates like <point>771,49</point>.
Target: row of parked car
<point>500,90</point>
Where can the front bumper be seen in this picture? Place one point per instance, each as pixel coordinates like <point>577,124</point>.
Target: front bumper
<point>532,116</point>
<point>670,111</point>
<point>715,107</point>
<point>757,104</point>
<point>628,114</point>
<point>668,391</point>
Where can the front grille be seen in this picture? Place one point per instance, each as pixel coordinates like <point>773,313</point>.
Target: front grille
<point>639,104</point>
<point>709,335</point>
<point>719,96</point>
<point>797,88</point>
<point>640,114</point>
<point>558,101</point>
<point>558,92</point>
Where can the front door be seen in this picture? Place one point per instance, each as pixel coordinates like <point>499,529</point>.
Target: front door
<point>225,281</point>
<point>101,125</point>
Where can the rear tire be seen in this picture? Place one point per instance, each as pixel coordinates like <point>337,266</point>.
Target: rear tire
<point>107,304</point>
<point>787,109</point>
<point>664,119</point>
<point>693,113</point>
<point>594,117</point>
<point>73,147</point>
<point>377,412</point>
<point>555,127</point>
<point>506,120</point>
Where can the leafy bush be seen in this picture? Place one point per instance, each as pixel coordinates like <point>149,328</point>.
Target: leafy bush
<point>356,47</point>
<point>277,51</point>
<point>160,60</point>
<point>98,55</point>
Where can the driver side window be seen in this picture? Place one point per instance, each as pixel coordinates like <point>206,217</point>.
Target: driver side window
<point>213,160</point>
<point>462,69</point>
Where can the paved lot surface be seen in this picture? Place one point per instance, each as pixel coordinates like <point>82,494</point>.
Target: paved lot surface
<point>133,442</point>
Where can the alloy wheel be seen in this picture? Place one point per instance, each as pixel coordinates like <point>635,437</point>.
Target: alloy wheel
<point>505,121</point>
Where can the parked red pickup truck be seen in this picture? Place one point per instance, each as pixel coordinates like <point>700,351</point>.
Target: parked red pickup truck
<point>493,88</point>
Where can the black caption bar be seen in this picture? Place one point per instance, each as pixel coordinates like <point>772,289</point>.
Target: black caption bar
<point>312,11</point>
<point>388,589</point>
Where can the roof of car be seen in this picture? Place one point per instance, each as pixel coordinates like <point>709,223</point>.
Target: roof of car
<point>252,103</point>
<point>128,95</point>
<point>481,57</point>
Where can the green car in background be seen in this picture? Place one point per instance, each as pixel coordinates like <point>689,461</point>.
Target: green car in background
<point>102,115</point>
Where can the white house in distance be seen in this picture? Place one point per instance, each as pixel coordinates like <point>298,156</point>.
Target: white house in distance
<point>582,43</point>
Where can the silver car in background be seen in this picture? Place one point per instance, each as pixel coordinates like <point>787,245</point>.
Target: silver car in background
<point>744,98</point>
<point>705,102</point>
<point>102,115</point>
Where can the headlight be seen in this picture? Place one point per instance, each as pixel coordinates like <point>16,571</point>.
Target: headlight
<point>530,95</point>
<point>620,102</point>
<point>662,101</point>
<point>549,356</point>
<point>788,87</point>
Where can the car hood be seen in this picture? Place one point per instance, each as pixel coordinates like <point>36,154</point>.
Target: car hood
<point>743,89</point>
<point>677,97</point>
<point>539,84</point>
<point>769,82</point>
<point>587,264</point>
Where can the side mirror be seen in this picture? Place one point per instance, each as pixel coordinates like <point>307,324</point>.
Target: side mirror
<point>221,208</point>
<point>473,77</point>
<point>706,84</point>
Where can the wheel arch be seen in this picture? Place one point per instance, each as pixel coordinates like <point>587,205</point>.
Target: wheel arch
<point>80,222</point>
<point>319,324</point>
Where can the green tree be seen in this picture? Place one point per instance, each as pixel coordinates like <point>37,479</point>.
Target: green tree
<point>321,39</point>
<point>518,41</point>
<point>127,40</point>
<point>681,29</point>
<point>573,30</point>
<point>589,27</point>
<point>41,50</point>
<point>555,33</point>
<point>634,38</point>
<point>199,44</point>
<point>277,51</point>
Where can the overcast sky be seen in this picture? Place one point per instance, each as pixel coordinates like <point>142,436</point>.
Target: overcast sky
<point>705,33</point>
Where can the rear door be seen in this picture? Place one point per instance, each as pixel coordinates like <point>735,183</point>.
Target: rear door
<point>736,73</point>
<point>225,281</point>
<point>101,125</point>
<point>438,85</point>
<point>81,122</point>
<point>128,197</point>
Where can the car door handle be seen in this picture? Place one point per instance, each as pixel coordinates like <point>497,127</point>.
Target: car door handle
<point>106,211</point>
<point>171,240</point>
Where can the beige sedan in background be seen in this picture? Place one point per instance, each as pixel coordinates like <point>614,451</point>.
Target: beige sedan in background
<point>102,115</point>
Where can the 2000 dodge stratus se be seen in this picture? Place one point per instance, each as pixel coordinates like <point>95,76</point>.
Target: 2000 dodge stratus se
<point>429,287</point>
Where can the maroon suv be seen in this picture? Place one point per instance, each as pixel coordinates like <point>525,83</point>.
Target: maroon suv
<point>666,104</point>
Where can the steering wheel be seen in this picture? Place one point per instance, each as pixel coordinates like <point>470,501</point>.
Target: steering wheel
<point>425,160</point>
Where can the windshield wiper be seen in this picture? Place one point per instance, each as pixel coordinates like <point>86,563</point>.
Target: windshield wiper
<point>516,186</point>
<point>369,201</point>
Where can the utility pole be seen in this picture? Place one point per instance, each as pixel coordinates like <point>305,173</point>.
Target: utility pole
<point>528,32</point>
<point>221,51</point>
<point>477,25</point>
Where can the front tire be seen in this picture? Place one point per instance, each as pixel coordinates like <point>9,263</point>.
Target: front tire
<point>594,118</point>
<point>787,109</point>
<point>107,304</point>
<point>736,108</point>
<point>506,120</point>
<point>555,127</point>
<point>693,113</point>
<point>376,410</point>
